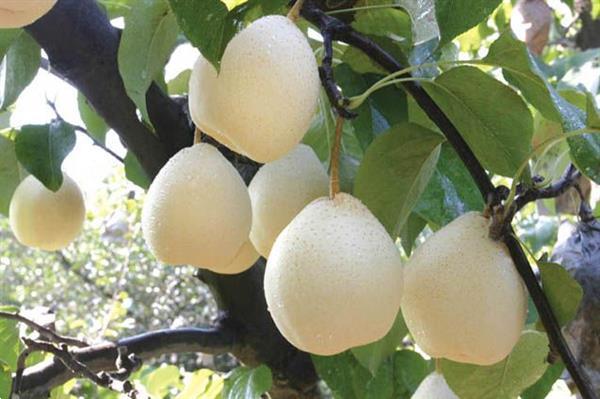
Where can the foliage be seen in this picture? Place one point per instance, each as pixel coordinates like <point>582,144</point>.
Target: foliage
<point>504,101</point>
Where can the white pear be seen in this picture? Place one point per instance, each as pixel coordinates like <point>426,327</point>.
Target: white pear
<point>334,277</point>
<point>463,298</point>
<point>280,190</point>
<point>44,219</point>
<point>19,13</point>
<point>434,387</point>
<point>197,210</point>
<point>262,102</point>
<point>245,258</point>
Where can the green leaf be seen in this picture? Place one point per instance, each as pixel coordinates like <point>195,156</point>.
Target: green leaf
<point>543,386</point>
<point>117,8</point>
<point>563,292</point>
<point>457,16</point>
<point>409,370</point>
<point>160,381</point>
<point>9,340</point>
<point>135,173</point>
<point>343,374</point>
<point>199,383</point>
<point>372,355</point>
<point>411,230</point>
<point>94,123</point>
<point>146,43</point>
<point>384,22</point>
<point>7,37</point>
<point>395,170</point>
<point>10,173</point>
<point>593,117</point>
<point>41,149</point>
<point>209,26</point>
<point>450,193</point>
<point>19,67</point>
<point>179,84</point>
<point>521,70</point>
<point>379,112</point>
<point>246,383</point>
<point>505,379</point>
<point>5,380</point>
<point>488,114</point>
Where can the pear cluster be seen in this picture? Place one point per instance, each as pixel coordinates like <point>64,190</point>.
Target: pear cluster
<point>41,218</point>
<point>334,278</point>
<point>19,13</point>
<point>463,298</point>
<point>262,101</point>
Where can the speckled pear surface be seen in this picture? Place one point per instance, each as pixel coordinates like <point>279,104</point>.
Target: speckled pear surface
<point>44,219</point>
<point>463,298</point>
<point>244,260</point>
<point>280,190</point>
<point>263,99</point>
<point>197,210</point>
<point>334,277</point>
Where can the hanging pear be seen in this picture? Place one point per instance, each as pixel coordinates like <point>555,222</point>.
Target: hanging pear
<point>463,298</point>
<point>41,218</point>
<point>334,278</point>
<point>197,210</point>
<point>262,101</point>
<point>280,190</point>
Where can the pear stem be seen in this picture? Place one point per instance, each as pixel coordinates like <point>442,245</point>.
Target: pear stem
<point>197,136</point>
<point>294,13</point>
<point>334,165</point>
<point>438,365</point>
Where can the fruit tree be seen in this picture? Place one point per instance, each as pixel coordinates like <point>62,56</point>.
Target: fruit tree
<point>371,190</point>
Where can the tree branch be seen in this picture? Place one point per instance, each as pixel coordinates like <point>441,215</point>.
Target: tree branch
<point>82,47</point>
<point>43,331</point>
<point>568,180</point>
<point>38,380</point>
<point>313,14</point>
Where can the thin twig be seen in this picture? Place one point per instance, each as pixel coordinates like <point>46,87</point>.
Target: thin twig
<point>87,133</point>
<point>334,169</point>
<point>81,370</point>
<point>43,331</point>
<point>568,179</point>
<point>16,382</point>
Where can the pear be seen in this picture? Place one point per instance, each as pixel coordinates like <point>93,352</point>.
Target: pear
<point>245,258</point>
<point>280,190</point>
<point>19,13</point>
<point>463,298</point>
<point>334,277</point>
<point>263,99</point>
<point>41,218</point>
<point>197,210</point>
<point>434,386</point>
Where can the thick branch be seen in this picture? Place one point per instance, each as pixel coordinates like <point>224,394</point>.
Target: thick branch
<point>313,14</point>
<point>82,47</point>
<point>40,379</point>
